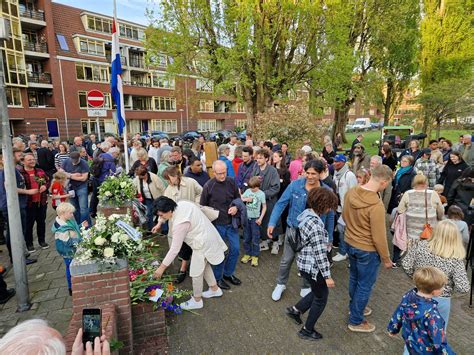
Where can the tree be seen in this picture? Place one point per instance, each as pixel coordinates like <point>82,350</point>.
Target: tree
<point>447,50</point>
<point>449,99</point>
<point>254,49</point>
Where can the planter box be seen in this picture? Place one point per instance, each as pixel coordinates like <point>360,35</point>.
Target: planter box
<point>110,210</point>
<point>149,329</point>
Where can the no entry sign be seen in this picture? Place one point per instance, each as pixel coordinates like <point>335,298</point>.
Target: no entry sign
<point>95,98</point>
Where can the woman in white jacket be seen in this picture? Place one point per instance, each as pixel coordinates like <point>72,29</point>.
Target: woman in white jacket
<point>189,225</point>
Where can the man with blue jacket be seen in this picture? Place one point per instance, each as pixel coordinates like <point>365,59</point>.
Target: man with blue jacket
<point>295,197</point>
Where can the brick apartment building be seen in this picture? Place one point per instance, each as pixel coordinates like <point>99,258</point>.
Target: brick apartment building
<point>58,53</point>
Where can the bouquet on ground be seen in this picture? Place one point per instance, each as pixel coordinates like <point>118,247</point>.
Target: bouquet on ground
<point>144,288</point>
<point>109,239</point>
<point>116,190</point>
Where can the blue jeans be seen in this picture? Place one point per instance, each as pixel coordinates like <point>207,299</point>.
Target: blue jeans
<point>342,244</point>
<point>81,204</point>
<point>444,308</point>
<point>231,237</point>
<point>252,238</point>
<point>149,213</point>
<point>363,274</point>
<point>68,261</point>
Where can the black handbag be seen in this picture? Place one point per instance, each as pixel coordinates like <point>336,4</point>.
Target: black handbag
<point>296,242</point>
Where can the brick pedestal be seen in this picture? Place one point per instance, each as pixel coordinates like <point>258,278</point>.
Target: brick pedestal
<point>94,285</point>
<point>109,210</point>
<point>149,330</point>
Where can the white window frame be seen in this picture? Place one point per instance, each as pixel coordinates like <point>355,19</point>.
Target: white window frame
<point>168,126</point>
<point>241,123</point>
<point>159,100</point>
<point>10,90</point>
<point>203,85</point>
<point>102,70</point>
<point>107,100</point>
<point>206,106</point>
<point>207,125</point>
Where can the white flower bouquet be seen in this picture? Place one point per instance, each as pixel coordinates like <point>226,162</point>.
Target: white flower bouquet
<point>106,241</point>
<point>116,191</point>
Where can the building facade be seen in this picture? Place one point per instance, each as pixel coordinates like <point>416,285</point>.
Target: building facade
<point>58,53</point>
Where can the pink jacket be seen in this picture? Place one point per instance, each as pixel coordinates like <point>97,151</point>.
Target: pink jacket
<point>296,169</point>
<point>399,226</point>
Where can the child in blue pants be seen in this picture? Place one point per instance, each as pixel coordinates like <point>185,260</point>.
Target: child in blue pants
<point>67,235</point>
<point>256,208</point>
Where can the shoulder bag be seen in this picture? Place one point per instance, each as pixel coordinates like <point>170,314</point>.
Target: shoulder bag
<point>427,229</point>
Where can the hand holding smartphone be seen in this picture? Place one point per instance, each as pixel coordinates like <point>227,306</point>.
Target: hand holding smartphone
<point>91,325</point>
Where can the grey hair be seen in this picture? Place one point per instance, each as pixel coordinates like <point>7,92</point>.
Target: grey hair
<point>17,139</point>
<point>105,145</point>
<point>165,155</point>
<point>468,136</point>
<point>44,143</point>
<point>33,337</point>
<point>219,162</point>
<point>377,158</point>
<point>222,148</point>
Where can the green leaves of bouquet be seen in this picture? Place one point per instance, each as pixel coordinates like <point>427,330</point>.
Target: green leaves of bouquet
<point>116,190</point>
<point>107,242</point>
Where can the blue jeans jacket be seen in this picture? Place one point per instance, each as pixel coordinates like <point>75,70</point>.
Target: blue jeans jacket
<point>295,197</point>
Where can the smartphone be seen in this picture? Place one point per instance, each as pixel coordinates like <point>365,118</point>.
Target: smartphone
<point>91,325</point>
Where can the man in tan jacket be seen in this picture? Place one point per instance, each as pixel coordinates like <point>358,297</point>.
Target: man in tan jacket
<point>365,236</point>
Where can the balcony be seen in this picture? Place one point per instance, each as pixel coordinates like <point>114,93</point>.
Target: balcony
<point>137,63</point>
<point>35,47</point>
<point>138,84</point>
<point>123,60</point>
<point>39,80</point>
<point>33,19</point>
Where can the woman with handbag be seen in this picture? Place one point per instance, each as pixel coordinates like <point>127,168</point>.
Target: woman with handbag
<point>423,209</point>
<point>312,261</point>
<point>445,251</point>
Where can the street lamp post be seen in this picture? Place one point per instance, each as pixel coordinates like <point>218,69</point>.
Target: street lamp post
<point>13,206</point>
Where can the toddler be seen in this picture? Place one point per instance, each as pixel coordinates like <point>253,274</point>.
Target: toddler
<point>439,190</point>
<point>256,208</point>
<point>417,315</point>
<point>456,214</point>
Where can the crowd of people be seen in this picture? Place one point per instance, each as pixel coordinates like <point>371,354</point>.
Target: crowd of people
<point>319,207</point>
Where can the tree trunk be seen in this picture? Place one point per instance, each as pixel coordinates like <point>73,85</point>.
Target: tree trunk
<point>340,121</point>
<point>388,102</point>
<point>438,128</point>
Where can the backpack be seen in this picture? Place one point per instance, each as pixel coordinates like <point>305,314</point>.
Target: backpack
<point>96,167</point>
<point>296,242</point>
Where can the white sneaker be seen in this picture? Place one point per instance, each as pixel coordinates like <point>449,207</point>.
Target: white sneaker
<point>339,257</point>
<point>191,304</point>
<point>281,239</point>
<point>264,245</point>
<point>209,293</point>
<point>276,294</point>
<point>275,248</point>
<point>304,291</point>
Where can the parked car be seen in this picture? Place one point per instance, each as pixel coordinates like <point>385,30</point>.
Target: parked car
<point>376,125</point>
<point>349,128</point>
<point>362,124</point>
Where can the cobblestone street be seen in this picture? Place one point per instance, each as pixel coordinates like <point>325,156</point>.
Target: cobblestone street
<point>245,319</point>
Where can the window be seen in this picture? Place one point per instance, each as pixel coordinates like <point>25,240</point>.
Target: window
<point>240,107</point>
<point>92,72</point>
<point>82,95</point>
<point>131,32</point>
<point>90,46</point>
<point>327,110</point>
<point>13,97</point>
<point>90,126</point>
<point>162,81</point>
<point>164,103</point>
<point>241,124</point>
<point>168,126</point>
<point>38,98</point>
<point>142,103</point>
<point>99,24</point>
<point>204,85</point>
<point>62,42</point>
<point>206,105</point>
<point>207,125</point>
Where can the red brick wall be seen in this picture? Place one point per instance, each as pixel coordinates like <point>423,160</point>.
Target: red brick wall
<point>149,330</point>
<point>97,289</point>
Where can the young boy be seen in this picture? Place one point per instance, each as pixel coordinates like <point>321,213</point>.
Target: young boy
<point>67,235</point>
<point>256,208</point>
<point>439,190</point>
<point>418,317</point>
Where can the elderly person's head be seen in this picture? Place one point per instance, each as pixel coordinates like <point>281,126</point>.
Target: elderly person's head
<point>164,207</point>
<point>32,337</point>
<point>114,152</point>
<point>446,241</point>
<point>406,161</point>
<point>105,146</point>
<point>220,170</point>
<point>17,142</point>
<point>78,141</point>
<point>176,154</point>
<point>420,182</point>
<point>359,149</point>
<point>33,145</point>
<point>142,155</point>
<point>223,150</point>
<point>44,144</point>
<point>375,160</point>
<point>165,156</point>
<point>467,139</point>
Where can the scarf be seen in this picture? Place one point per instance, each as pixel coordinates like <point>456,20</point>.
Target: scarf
<point>401,171</point>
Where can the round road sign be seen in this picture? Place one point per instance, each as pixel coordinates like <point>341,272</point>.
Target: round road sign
<point>95,98</point>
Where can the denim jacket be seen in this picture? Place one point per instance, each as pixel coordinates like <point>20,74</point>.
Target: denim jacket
<point>295,197</point>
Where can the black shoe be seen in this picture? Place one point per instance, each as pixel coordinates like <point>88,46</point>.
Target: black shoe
<point>181,277</point>
<point>70,291</point>
<point>31,249</point>
<point>27,255</point>
<point>30,261</point>
<point>233,280</point>
<point>290,312</point>
<point>10,293</point>
<point>308,335</point>
<point>44,245</point>
<point>223,285</point>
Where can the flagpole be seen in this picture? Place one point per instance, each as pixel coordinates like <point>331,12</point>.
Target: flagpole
<point>125,135</point>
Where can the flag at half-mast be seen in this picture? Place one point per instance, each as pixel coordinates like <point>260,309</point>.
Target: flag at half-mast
<point>116,82</point>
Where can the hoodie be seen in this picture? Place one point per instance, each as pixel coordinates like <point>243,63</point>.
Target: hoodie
<point>364,215</point>
<point>67,235</point>
<point>421,324</point>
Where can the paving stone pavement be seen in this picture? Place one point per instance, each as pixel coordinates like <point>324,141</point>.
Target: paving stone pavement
<point>47,285</point>
<point>247,320</point>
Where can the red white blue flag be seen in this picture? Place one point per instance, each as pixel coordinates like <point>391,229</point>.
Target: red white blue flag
<point>116,82</point>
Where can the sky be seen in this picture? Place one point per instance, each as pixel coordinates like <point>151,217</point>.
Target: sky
<point>130,10</point>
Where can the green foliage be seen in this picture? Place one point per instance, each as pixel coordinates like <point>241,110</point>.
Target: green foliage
<point>115,344</point>
<point>116,191</point>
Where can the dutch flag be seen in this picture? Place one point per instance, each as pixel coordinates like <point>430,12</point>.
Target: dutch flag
<point>116,82</point>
